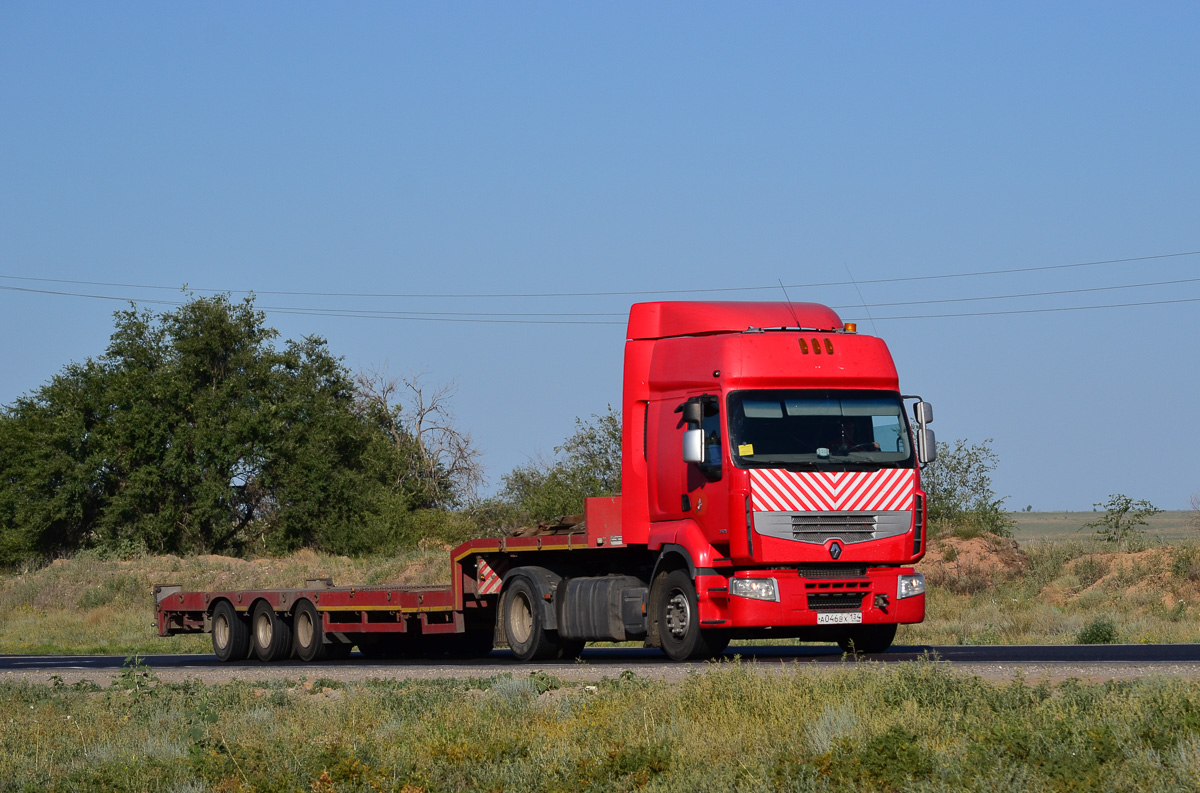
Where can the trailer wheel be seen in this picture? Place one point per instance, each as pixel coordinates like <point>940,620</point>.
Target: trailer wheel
<point>230,633</point>
<point>678,614</point>
<point>270,633</point>
<point>867,639</point>
<point>524,624</point>
<point>308,635</point>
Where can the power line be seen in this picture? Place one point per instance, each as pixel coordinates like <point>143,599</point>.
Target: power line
<point>1044,310</point>
<point>1081,290</point>
<point>467,295</point>
<point>540,318</point>
<point>329,312</point>
<point>451,315</point>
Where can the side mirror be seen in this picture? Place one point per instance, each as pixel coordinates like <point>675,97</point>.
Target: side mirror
<point>924,413</point>
<point>693,446</point>
<point>926,445</point>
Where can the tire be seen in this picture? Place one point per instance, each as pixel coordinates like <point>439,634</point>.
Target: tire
<point>869,639</point>
<point>678,615</point>
<point>270,633</point>
<point>308,635</point>
<point>524,623</point>
<point>230,633</point>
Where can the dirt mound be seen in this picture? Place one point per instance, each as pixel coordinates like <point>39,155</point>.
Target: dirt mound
<point>972,565</point>
<point>1137,576</point>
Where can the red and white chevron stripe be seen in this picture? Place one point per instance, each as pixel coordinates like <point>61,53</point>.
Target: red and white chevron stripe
<point>773,490</point>
<point>490,572</point>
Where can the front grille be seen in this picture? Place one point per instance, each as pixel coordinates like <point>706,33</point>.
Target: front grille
<point>820,527</point>
<point>835,601</point>
<point>833,571</point>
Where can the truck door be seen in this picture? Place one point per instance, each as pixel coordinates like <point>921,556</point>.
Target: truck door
<point>706,484</point>
<point>664,459</point>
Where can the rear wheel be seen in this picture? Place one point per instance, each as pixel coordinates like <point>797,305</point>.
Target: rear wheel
<point>308,637</point>
<point>270,633</point>
<point>524,624</point>
<point>867,639</point>
<point>230,633</point>
<point>678,614</point>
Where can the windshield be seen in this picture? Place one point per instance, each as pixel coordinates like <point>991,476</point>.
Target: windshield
<point>818,429</point>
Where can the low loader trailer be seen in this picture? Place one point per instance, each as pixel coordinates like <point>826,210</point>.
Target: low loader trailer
<point>770,489</point>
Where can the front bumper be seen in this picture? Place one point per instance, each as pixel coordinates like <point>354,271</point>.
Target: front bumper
<point>802,599</point>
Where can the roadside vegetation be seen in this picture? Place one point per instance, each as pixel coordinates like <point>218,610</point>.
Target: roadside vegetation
<point>982,590</point>
<point>912,727</point>
<point>197,432</point>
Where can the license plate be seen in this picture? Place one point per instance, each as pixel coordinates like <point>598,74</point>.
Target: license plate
<point>847,618</point>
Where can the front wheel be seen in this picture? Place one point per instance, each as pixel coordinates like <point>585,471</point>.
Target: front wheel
<point>868,639</point>
<point>524,625</point>
<point>678,614</point>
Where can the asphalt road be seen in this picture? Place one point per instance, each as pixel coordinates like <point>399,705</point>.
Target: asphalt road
<point>1053,662</point>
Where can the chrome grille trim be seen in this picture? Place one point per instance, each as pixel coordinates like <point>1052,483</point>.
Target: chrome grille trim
<point>818,528</point>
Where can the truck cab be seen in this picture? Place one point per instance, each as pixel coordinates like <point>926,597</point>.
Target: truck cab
<point>768,452</point>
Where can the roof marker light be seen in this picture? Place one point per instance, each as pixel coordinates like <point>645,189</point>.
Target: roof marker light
<point>804,346</point>
<point>829,346</point>
<point>851,327</point>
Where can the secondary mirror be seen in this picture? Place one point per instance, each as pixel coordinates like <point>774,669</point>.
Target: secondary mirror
<point>693,445</point>
<point>926,445</point>
<point>693,412</point>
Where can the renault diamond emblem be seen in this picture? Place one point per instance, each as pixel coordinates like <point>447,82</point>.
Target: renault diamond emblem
<point>835,550</point>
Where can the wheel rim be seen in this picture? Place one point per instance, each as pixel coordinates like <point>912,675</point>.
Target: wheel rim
<point>520,618</point>
<point>679,614</point>
<point>304,629</point>
<point>264,631</point>
<point>221,631</point>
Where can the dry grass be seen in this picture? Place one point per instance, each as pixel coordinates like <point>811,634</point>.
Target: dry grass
<point>982,591</point>
<point>1048,592</point>
<point>87,605</point>
<point>911,727</point>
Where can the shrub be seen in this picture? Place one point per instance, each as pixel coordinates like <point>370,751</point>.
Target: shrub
<point>1090,569</point>
<point>1121,519</point>
<point>1185,562</point>
<point>1101,630</point>
<point>959,487</point>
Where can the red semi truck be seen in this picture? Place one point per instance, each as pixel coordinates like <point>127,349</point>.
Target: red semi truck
<point>770,489</point>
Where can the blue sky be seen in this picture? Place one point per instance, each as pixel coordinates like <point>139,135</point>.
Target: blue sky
<point>537,148</point>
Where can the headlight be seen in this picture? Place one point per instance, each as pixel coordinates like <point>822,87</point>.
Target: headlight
<point>910,586</point>
<point>754,588</point>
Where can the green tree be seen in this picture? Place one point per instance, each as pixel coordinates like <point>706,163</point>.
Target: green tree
<point>194,432</point>
<point>588,464</point>
<point>959,488</point>
<point>1121,519</point>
